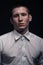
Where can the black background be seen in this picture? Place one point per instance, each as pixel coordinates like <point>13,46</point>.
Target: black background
<point>36,26</point>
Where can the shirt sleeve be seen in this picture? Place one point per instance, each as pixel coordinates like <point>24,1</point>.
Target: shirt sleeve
<point>41,57</point>
<point>0,50</point>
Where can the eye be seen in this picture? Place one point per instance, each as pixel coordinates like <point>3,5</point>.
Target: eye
<point>23,14</point>
<point>15,15</point>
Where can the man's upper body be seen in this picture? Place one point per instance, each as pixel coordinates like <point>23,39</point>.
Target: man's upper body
<point>20,47</point>
<point>17,49</point>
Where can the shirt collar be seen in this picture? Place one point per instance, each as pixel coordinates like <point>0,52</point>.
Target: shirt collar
<point>28,35</point>
<point>17,35</point>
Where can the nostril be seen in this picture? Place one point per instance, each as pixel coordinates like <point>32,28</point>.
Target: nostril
<point>20,20</point>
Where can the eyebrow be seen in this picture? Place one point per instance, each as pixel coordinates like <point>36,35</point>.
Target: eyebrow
<point>18,14</point>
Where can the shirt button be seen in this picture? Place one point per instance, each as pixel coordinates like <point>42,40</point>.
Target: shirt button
<point>23,48</point>
<point>23,58</point>
<point>22,38</point>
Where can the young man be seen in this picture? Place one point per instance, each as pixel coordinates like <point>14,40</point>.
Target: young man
<point>21,47</point>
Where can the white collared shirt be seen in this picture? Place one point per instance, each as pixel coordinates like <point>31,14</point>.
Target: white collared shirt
<point>24,47</point>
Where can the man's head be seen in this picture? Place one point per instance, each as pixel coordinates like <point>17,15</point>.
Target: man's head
<point>20,17</point>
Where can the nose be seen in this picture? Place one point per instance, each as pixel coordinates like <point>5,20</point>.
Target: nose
<point>20,18</point>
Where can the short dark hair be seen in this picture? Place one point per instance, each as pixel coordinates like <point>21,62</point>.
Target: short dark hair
<point>19,3</point>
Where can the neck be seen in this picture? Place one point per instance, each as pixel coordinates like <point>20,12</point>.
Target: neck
<point>22,31</point>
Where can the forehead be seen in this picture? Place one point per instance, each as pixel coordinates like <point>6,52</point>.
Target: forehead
<point>19,10</point>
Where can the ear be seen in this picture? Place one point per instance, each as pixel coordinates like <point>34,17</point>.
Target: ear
<point>30,17</point>
<point>11,20</point>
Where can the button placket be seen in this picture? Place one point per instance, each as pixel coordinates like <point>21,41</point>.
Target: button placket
<point>23,58</point>
<point>23,44</point>
<point>23,49</point>
<point>22,38</point>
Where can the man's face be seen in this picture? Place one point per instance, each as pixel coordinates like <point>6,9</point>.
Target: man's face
<point>20,18</point>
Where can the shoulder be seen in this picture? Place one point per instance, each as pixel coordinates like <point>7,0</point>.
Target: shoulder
<point>6,35</point>
<point>34,36</point>
<point>5,38</point>
<point>36,39</point>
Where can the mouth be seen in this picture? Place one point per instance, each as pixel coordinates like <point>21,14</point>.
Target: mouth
<point>21,24</point>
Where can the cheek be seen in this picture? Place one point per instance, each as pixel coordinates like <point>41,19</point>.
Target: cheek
<point>26,23</point>
<point>15,20</point>
<point>26,20</point>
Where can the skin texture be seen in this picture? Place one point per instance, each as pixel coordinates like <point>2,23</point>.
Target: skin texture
<point>20,19</point>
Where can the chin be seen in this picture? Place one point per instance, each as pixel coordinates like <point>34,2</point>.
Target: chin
<point>22,28</point>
